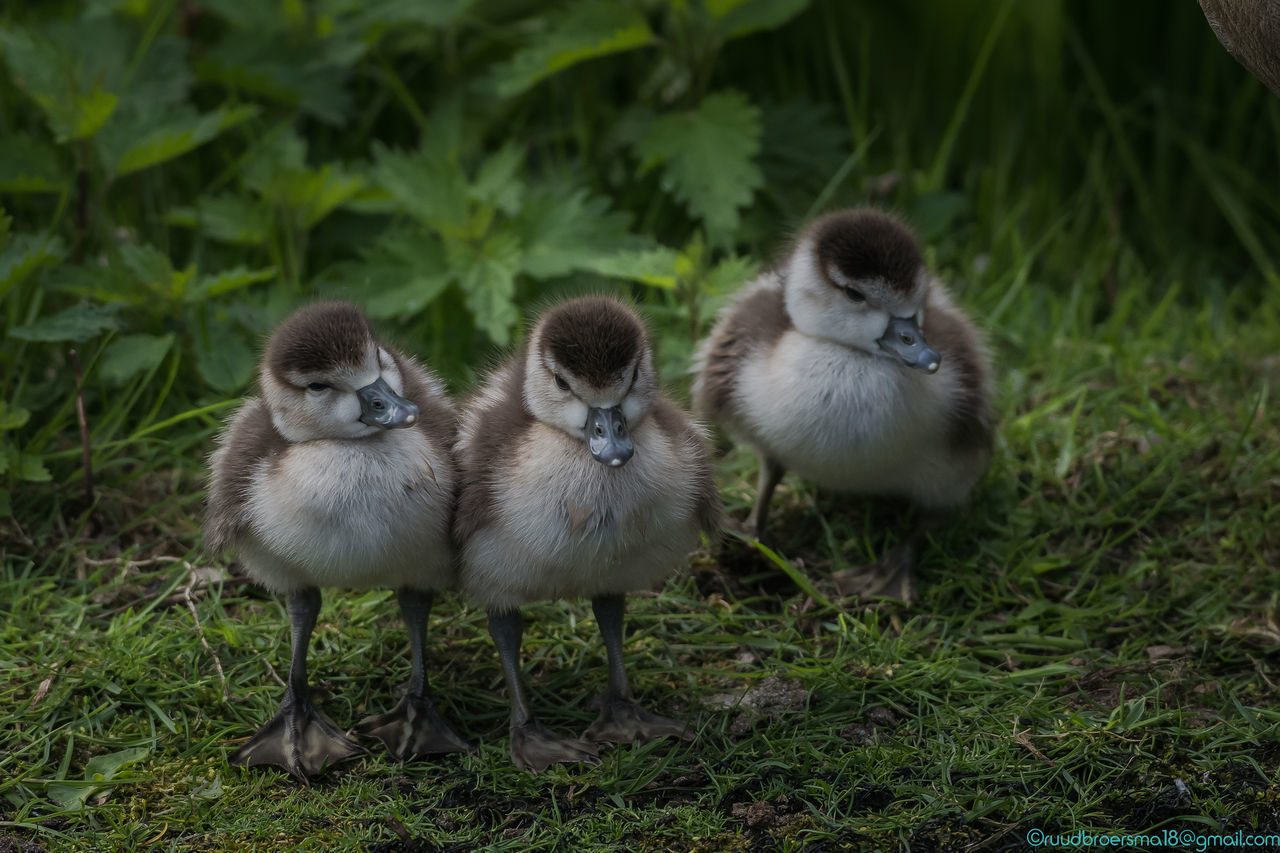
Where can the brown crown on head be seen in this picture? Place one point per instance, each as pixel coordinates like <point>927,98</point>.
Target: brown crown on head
<point>595,338</point>
<point>318,338</point>
<point>865,243</point>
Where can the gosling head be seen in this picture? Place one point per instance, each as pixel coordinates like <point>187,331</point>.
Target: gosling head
<point>589,371</point>
<point>857,277</point>
<point>325,376</point>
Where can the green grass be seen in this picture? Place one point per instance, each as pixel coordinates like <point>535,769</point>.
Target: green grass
<point>1095,642</point>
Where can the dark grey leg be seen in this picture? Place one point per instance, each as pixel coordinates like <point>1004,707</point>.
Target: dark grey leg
<point>414,726</point>
<point>534,747</point>
<point>299,737</point>
<point>771,472</point>
<point>893,574</point>
<point>622,719</point>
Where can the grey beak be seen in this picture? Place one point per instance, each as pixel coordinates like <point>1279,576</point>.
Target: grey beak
<point>608,437</point>
<point>382,407</point>
<point>904,339</point>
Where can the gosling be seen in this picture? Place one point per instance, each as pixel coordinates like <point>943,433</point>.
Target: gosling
<point>580,479</point>
<point>850,364</point>
<point>339,474</point>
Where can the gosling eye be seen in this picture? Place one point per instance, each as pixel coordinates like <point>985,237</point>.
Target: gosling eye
<point>317,386</point>
<point>560,383</point>
<point>854,295</point>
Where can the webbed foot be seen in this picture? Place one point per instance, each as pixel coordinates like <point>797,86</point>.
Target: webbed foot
<point>300,739</point>
<point>413,727</point>
<point>534,747</point>
<point>625,721</point>
<point>891,576</point>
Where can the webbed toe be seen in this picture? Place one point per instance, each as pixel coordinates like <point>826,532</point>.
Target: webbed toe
<point>534,747</point>
<point>625,721</point>
<point>413,728</point>
<point>301,740</point>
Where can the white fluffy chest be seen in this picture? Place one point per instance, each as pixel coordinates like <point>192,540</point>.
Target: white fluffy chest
<point>354,513</point>
<point>841,418</point>
<point>569,526</point>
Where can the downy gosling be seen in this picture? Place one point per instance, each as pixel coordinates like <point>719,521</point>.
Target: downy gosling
<point>339,475</point>
<point>849,364</point>
<point>580,479</point>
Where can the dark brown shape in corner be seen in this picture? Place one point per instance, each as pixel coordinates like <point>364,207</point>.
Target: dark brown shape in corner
<point>868,243</point>
<point>317,338</point>
<point>595,338</point>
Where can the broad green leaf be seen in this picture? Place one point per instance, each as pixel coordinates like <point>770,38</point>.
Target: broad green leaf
<point>404,271</point>
<point>27,166</point>
<point>284,71</point>
<point>129,355</point>
<point>654,267</point>
<point>487,276</point>
<point>180,136</point>
<point>228,218</point>
<point>374,18</point>
<point>100,771</point>
<point>726,276</point>
<point>12,418</point>
<point>149,265</point>
<point>31,469</point>
<point>26,254</point>
<point>584,30</point>
<point>737,18</point>
<point>428,188</point>
<point>498,182</point>
<point>278,172</point>
<point>78,323</point>
<point>227,281</point>
<point>563,228</point>
<point>708,158</point>
<point>226,362</point>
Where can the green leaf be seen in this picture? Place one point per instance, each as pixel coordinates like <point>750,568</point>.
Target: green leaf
<point>100,770</point>
<point>708,158</point>
<point>654,267</point>
<point>129,355</point>
<point>584,30</point>
<point>563,228</point>
<point>487,275</point>
<point>149,265</point>
<point>278,172</point>
<point>227,281</point>
<point>227,218</point>
<point>27,166</point>
<point>31,469</point>
<point>226,363</point>
<point>728,275</point>
<point>427,187</point>
<point>24,256</point>
<point>12,418</point>
<point>179,136</point>
<point>498,183</point>
<point>737,18</point>
<point>284,71</point>
<point>78,323</point>
<point>403,272</point>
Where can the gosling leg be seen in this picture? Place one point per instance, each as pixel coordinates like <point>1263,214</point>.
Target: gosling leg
<point>299,737</point>
<point>622,719</point>
<point>534,747</point>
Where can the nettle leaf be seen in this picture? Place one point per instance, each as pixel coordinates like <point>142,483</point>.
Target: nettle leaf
<point>277,171</point>
<point>498,182</point>
<point>27,166</point>
<point>71,69</point>
<point>227,218</point>
<point>487,276</point>
<point>177,137</point>
<point>400,276</point>
<point>373,18</point>
<point>25,255</point>
<point>657,267</point>
<point>429,188</point>
<point>226,281</point>
<point>728,275</point>
<point>737,18</point>
<point>12,418</point>
<point>280,70</point>
<point>708,158</point>
<point>129,355</point>
<point>31,469</point>
<point>564,228</point>
<point>584,30</point>
<point>78,323</point>
<point>226,362</point>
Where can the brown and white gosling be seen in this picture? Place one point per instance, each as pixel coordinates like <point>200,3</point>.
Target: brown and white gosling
<point>339,475</point>
<point>849,364</point>
<point>580,479</point>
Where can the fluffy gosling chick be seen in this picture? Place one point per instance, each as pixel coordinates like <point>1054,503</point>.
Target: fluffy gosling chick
<point>580,478</point>
<point>849,364</point>
<point>339,474</point>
